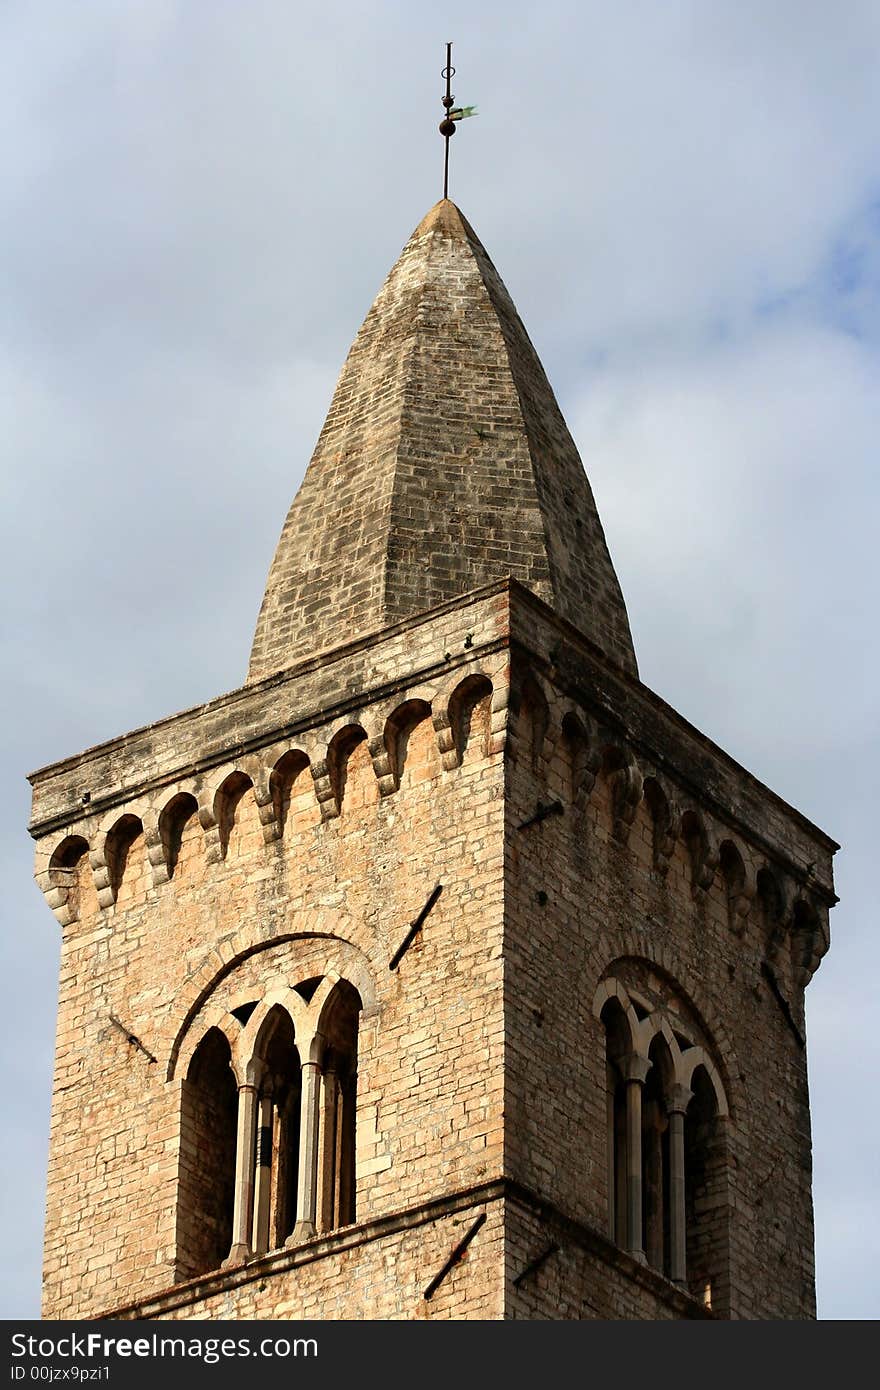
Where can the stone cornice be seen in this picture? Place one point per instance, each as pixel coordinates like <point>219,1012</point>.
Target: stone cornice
<point>425,652</point>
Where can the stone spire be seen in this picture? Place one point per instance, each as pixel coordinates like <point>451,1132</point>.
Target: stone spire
<point>444,464</point>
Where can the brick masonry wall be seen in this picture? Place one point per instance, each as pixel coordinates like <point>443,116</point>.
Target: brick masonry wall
<point>480,1056</point>
<point>170,957</point>
<point>383,1270</point>
<point>377,1270</point>
<point>588,893</point>
<point>554,1272</point>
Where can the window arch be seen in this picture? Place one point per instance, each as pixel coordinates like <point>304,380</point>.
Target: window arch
<point>339,1029</point>
<point>470,717</point>
<point>275,1157</point>
<point>207,1158</point>
<point>70,875</point>
<point>705,1194</point>
<point>666,1139</point>
<point>656,1157</point>
<point>268,1124</point>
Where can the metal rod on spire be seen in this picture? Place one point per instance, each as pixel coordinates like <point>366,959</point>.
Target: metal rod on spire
<point>447,126</point>
<point>453,114</point>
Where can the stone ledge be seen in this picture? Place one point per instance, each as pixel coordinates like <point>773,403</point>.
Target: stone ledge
<point>579,1233</point>
<point>352,1237</point>
<point>321,1247</point>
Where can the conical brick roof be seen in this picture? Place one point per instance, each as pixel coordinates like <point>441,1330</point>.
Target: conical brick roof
<point>444,464</point>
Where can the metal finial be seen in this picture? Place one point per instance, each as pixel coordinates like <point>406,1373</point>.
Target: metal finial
<point>447,127</point>
<point>459,113</point>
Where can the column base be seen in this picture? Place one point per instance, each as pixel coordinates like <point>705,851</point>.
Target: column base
<point>238,1255</point>
<point>303,1230</point>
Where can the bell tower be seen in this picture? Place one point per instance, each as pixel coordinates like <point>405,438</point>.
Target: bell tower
<point>441,970</point>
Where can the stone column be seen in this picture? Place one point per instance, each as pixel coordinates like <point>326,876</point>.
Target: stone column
<point>327,1166</point>
<point>345,1149</point>
<point>611,1176</point>
<point>279,1178</point>
<point>676,1106</point>
<point>620,1166</point>
<point>634,1070</point>
<point>655,1124</point>
<point>307,1186</point>
<point>263,1176</point>
<point>243,1206</point>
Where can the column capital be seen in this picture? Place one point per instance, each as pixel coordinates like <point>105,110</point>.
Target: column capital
<point>634,1067</point>
<point>678,1100</point>
<point>254,1072</point>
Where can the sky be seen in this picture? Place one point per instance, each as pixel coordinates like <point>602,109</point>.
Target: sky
<point>199,203</point>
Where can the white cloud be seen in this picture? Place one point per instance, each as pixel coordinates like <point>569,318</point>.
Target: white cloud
<point>740,488</point>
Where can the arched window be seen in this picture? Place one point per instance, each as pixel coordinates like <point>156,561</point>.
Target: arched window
<point>705,1186</point>
<point>656,1157</point>
<point>207,1158</point>
<point>667,1168</point>
<point>618,1046</point>
<point>276,1145</point>
<point>339,1096</point>
<point>268,1127</point>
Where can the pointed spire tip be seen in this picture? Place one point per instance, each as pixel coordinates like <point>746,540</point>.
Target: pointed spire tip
<point>444,217</point>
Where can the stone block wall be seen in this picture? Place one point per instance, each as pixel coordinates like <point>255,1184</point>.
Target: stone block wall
<point>655,868</point>
<point>379,1269</point>
<point>591,845</point>
<point>294,859</point>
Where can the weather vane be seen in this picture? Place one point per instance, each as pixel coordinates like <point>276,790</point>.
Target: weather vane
<point>453,114</point>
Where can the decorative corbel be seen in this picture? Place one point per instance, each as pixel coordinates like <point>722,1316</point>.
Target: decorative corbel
<point>262,785</point>
<point>445,735</point>
<point>324,791</point>
<point>626,793</point>
<point>57,895</point>
<point>385,772</point>
<point>156,850</point>
<point>210,827</point>
<point>740,900</point>
<point>101,874</point>
<point>705,858</point>
<point>498,726</point>
<point>665,838</point>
